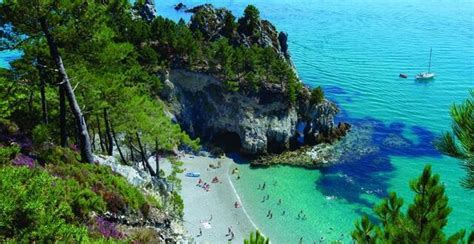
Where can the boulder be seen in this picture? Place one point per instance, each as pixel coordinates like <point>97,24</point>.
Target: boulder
<point>180,6</point>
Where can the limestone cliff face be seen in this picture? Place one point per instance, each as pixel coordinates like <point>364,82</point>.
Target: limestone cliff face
<point>252,123</point>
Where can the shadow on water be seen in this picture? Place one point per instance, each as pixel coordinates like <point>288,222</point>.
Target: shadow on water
<point>364,166</point>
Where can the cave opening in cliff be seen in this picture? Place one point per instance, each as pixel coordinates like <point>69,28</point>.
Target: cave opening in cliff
<point>227,141</point>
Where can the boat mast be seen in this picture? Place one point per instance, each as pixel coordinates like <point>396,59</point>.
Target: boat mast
<point>429,65</point>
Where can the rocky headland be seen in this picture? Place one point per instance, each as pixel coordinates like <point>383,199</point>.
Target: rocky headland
<point>260,123</point>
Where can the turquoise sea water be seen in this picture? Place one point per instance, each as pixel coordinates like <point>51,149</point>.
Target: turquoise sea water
<point>355,50</point>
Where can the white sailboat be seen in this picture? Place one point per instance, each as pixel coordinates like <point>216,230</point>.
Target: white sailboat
<point>426,75</point>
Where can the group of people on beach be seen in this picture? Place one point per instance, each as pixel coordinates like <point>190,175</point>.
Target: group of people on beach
<point>203,185</point>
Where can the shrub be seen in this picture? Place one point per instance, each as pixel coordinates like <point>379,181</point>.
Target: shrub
<point>34,207</point>
<point>56,154</point>
<point>8,153</point>
<point>41,134</point>
<point>23,160</point>
<point>118,195</point>
<point>108,229</point>
<point>145,235</point>
<point>177,204</point>
<point>317,95</point>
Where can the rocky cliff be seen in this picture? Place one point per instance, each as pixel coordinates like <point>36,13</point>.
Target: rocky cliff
<point>253,123</point>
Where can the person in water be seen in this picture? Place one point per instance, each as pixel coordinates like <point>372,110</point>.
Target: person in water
<point>263,187</point>
<point>283,212</point>
<point>279,201</point>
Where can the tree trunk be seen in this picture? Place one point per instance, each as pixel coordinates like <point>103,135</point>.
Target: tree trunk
<point>44,105</point>
<point>30,102</point>
<point>84,140</point>
<point>132,157</point>
<point>117,145</point>
<point>108,134</point>
<point>62,116</point>
<point>93,139</point>
<point>146,165</point>
<point>157,159</point>
<point>101,140</point>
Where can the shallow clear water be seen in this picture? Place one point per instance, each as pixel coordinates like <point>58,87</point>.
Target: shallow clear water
<point>355,50</point>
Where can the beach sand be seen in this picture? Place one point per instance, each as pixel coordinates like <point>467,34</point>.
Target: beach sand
<point>200,205</point>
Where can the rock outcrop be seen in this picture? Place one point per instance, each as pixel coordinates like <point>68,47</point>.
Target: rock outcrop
<point>253,123</point>
<point>180,6</point>
<point>214,24</point>
<point>148,10</point>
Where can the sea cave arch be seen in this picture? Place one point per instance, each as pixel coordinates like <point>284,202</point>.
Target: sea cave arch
<point>227,140</point>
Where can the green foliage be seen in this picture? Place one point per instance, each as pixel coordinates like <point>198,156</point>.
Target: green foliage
<point>177,204</point>
<point>116,192</point>
<point>36,207</point>
<point>41,134</point>
<point>230,26</point>
<point>317,95</point>
<point>257,238</point>
<point>423,223</point>
<point>460,142</point>
<point>8,153</point>
<point>250,19</point>
<point>55,155</point>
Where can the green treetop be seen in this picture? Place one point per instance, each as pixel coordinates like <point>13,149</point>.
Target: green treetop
<point>422,223</point>
<point>460,142</point>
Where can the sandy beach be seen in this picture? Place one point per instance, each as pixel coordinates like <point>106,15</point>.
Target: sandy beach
<point>213,211</point>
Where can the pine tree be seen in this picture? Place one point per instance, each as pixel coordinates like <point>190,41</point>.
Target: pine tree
<point>423,223</point>
<point>257,238</point>
<point>36,20</point>
<point>460,142</point>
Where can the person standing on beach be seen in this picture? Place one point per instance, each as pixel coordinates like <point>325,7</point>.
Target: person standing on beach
<point>200,232</point>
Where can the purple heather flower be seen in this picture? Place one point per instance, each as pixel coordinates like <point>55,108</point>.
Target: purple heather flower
<point>23,160</point>
<point>108,229</point>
